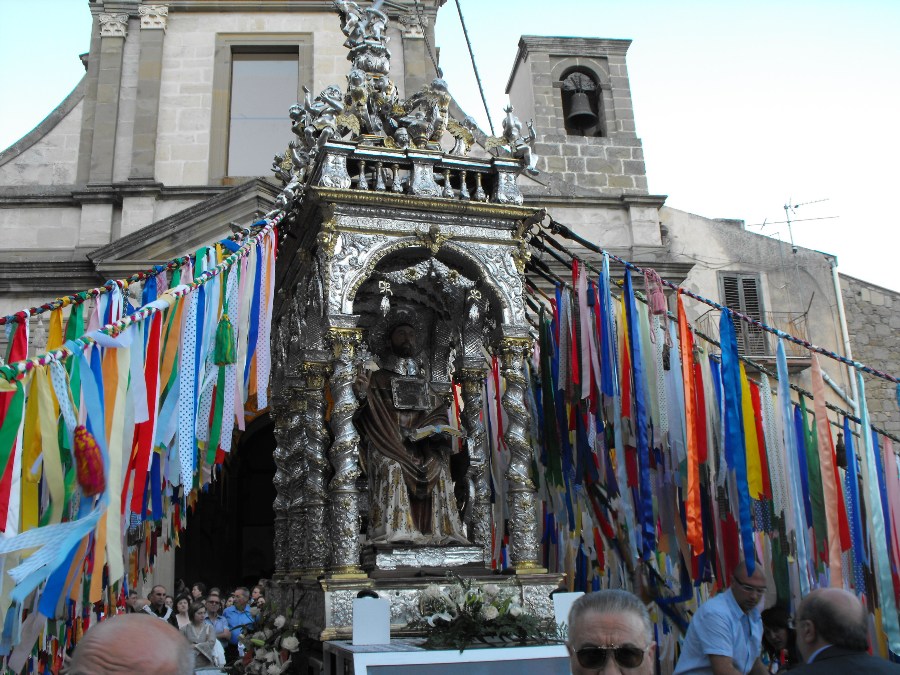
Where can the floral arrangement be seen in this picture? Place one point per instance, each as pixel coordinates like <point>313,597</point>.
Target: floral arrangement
<point>269,648</point>
<point>468,613</point>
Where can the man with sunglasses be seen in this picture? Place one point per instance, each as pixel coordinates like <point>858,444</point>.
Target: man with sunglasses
<point>725,635</point>
<point>610,632</point>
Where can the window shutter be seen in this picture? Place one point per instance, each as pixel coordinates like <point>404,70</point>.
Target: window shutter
<point>755,336</point>
<point>741,293</point>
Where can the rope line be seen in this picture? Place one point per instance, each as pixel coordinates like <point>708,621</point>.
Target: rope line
<point>559,228</point>
<point>554,279</point>
<point>13,371</point>
<point>475,68</point>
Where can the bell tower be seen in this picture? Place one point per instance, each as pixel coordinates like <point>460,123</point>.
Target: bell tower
<point>577,92</point>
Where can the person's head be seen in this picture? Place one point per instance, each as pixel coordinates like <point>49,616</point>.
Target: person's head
<point>132,643</point>
<point>170,601</point>
<point>213,604</point>
<point>183,604</point>
<point>230,601</point>
<point>748,589</point>
<point>256,592</point>
<point>776,628</point>
<point>197,613</point>
<point>831,616</point>
<point>241,597</point>
<point>403,340</point>
<point>198,590</point>
<point>157,596</point>
<point>610,632</point>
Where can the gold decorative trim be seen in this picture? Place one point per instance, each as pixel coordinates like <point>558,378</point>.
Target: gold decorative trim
<point>443,205</point>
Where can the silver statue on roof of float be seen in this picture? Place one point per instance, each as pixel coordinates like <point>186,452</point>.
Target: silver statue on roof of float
<point>371,112</point>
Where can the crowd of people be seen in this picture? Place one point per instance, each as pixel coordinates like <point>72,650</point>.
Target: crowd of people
<point>211,621</point>
<point>609,632</point>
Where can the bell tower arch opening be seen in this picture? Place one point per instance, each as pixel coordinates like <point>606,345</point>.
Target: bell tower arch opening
<point>582,103</point>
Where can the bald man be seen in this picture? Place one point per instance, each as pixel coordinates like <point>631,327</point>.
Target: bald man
<point>833,636</point>
<point>133,644</point>
<point>725,635</point>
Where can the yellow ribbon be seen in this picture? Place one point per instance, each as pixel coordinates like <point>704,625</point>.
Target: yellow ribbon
<point>751,441</point>
<point>117,448</point>
<point>31,451</point>
<point>47,414</point>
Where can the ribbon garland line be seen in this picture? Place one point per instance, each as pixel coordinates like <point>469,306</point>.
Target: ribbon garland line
<point>559,228</point>
<point>108,397</point>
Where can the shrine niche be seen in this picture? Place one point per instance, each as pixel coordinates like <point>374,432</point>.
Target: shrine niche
<point>400,270</point>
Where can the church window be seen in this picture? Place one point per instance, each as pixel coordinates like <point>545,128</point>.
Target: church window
<point>263,88</point>
<point>257,77</point>
<point>581,102</point>
<point>741,292</point>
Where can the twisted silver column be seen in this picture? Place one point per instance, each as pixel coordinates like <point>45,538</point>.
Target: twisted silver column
<point>344,519</point>
<point>522,494</point>
<point>282,496</point>
<point>472,383</point>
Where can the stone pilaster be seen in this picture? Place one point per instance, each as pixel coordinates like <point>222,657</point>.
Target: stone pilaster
<point>154,19</point>
<point>113,31</point>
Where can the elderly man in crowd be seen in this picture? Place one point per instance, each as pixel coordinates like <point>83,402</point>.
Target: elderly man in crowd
<point>610,632</point>
<point>833,636</point>
<point>239,619</point>
<point>131,643</point>
<point>725,635</point>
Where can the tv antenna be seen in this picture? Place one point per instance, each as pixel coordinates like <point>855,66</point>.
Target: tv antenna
<point>792,209</point>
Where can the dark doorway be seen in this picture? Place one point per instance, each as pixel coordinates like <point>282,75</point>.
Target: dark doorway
<point>230,532</point>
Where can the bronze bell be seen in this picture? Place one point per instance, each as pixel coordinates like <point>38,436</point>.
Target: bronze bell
<point>581,116</point>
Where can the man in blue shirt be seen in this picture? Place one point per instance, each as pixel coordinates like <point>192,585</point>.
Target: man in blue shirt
<point>725,634</point>
<point>239,618</point>
<point>216,620</point>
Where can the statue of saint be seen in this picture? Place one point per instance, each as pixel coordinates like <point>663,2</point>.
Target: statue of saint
<point>408,447</point>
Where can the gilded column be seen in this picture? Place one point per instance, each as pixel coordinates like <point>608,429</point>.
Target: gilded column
<point>314,489</point>
<point>523,539</point>
<point>343,497</point>
<point>472,379</point>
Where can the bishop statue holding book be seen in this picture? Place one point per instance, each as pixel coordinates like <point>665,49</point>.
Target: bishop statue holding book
<point>408,448</point>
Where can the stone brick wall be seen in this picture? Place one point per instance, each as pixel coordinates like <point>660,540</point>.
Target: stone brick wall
<point>873,322</point>
<point>51,160</point>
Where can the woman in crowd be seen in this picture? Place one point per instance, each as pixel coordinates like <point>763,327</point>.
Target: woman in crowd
<point>200,634</point>
<point>257,598</point>
<point>198,591</point>
<point>779,640</point>
<point>180,617</point>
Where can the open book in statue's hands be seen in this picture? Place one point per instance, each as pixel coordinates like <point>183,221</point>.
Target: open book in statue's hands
<point>434,430</point>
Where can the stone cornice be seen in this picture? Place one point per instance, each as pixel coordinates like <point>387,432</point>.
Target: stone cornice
<point>588,201</point>
<point>178,231</point>
<point>47,278</point>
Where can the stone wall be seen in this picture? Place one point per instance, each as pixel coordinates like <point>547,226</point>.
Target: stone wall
<point>873,322</point>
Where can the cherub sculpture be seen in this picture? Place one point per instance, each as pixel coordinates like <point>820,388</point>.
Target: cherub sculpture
<point>512,139</point>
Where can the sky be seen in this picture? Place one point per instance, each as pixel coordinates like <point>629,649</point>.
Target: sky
<point>742,106</point>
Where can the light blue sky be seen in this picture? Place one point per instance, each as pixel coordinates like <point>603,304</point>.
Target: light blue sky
<point>741,105</point>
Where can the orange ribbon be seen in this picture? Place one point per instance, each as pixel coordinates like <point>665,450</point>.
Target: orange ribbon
<point>692,503</point>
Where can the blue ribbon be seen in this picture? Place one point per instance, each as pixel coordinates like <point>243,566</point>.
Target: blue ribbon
<point>253,331</point>
<point>882,488</point>
<point>790,447</point>
<point>735,452</point>
<point>860,556</point>
<point>608,370</point>
<point>800,435</point>
<point>648,525</point>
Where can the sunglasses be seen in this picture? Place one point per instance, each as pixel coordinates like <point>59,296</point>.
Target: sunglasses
<point>627,656</point>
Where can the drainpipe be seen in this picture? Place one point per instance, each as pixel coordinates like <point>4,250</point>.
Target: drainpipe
<point>845,335</point>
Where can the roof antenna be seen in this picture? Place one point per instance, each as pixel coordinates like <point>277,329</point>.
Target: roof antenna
<point>792,208</point>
